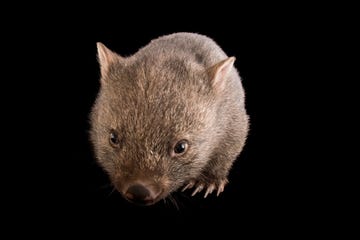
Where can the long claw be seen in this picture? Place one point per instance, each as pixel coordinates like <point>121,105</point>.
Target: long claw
<point>189,185</point>
<point>221,188</point>
<point>198,189</point>
<point>209,190</point>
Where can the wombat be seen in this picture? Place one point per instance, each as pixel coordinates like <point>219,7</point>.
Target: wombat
<point>172,116</point>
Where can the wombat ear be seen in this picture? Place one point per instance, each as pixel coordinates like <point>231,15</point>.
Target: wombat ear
<point>105,57</point>
<point>219,71</point>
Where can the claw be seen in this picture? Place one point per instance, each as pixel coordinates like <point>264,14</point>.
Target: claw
<point>209,190</point>
<point>199,188</point>
<point>217,186</point>
<point>221,188</point>
<point>189,185</point>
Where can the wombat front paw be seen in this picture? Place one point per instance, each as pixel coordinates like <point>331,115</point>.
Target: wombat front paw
<point>218,185</point>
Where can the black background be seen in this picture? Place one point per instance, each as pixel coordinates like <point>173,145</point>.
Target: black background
<point>57,185</point>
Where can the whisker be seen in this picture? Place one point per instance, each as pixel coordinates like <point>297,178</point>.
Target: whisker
<point>185,195</point>
<point>165,202</point>
<point>173,201</point>
<point>111,192</point>
<point>107,185</point>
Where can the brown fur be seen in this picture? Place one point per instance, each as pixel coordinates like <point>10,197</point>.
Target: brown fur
<point>179,86</point>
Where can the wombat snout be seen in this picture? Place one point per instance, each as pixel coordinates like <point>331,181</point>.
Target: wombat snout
<point>140,194</point>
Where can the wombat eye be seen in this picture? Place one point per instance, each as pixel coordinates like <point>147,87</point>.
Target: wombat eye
<point>181,147</point>
<point>114,139</point>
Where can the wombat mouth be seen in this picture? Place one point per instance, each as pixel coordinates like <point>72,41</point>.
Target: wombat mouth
<point>142,203</point>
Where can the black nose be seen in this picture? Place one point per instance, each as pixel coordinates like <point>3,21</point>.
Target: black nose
<point>138,194</point>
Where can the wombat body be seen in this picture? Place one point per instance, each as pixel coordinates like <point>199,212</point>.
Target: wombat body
<point>170,116</point>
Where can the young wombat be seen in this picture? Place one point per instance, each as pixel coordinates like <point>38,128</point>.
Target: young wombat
<point>172,115</point>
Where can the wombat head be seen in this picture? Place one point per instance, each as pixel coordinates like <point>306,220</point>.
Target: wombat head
<point>152,122</point>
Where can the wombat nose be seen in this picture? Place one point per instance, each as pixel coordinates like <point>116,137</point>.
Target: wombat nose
<point>138,194</point>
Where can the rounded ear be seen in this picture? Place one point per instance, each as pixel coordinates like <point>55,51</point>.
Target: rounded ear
<point>106,57</point>
<point>219,72</point>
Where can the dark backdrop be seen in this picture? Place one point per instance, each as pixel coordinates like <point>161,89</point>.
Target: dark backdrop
<point>60,187</point>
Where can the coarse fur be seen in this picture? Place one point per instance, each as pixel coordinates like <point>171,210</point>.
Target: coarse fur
<point>179,87</point>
